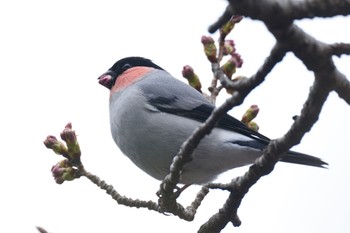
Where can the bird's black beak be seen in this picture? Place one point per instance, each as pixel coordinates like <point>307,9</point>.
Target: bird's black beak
<point>107,79</point>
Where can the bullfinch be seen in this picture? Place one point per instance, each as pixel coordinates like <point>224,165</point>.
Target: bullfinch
<point>152,114</point>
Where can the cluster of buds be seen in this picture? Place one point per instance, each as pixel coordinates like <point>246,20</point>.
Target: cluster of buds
<point>227,48</point>
<point>64,170</point>
<point>248,117</point>
<point>192,78</point>
<point>214,55</point>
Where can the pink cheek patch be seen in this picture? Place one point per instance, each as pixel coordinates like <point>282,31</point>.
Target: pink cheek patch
<point>129,77</point>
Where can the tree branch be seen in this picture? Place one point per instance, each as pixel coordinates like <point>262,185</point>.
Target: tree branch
<point>119,198</point>
<point>342,86</point>
<point>287,11</point>
<point>339,49</point>
<point>315,8</point>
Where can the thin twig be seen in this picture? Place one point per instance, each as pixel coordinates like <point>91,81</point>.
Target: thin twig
<point>339,49</point>
<point>119,198</point>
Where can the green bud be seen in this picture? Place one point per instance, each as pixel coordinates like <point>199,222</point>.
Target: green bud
<point>250,114</point>
<point>210,49</point>
<point>254,126</point>
<point>69,136</point>
<point>227,27</point>
<point>63,171</point>
<point>192,78</point>
<point>58,147</point>
<point>229,68</point>
<point>229,47</point>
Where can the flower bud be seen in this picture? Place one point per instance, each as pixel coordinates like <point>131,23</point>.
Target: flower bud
<point>58,147</point>
<point>69,136</point>
<point>63,171</point>
<point>254,126</point>
<point>250,114</point>
<point>229,47</point>
<point>210,49</point>
<point>237,59</point>
<point>227,27</point>
<point>192,78</point>
<point>229,68</point>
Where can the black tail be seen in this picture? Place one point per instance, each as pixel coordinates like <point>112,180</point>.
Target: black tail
<point>304,159</point>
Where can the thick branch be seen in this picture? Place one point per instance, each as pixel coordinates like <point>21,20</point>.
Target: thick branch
<point>276,55</point>
<point>316,8</point>
<point>287,11</point>
<point>315,54</point>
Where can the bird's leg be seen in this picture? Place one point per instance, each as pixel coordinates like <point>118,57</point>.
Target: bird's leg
<point>179,190</point>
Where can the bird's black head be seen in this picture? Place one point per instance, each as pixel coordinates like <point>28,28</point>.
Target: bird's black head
<point>108,78</point>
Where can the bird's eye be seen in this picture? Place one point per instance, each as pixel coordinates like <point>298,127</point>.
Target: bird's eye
<point>126,66</point>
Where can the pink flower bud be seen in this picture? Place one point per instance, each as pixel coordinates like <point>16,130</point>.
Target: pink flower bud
<point>69,136</point>
<point>210,49</point>
<point>187,72</point>
<point>63,171</point>
<point>237,59</point>
<point>50,141</point>
<point>229,47</point>
<point>58,147</point>
<point>207,40</point>
<point>192,78</point>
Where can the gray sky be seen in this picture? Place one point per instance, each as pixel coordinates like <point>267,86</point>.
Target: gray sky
<point>52,53</point>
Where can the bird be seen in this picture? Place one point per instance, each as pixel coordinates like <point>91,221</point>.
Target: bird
<point>152,113</point>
